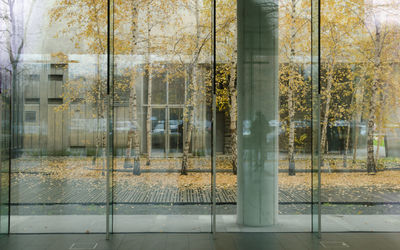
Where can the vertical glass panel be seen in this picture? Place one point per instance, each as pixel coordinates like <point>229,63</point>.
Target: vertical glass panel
<point>360,115</point>
<point>162,171</point>
<point>316,128</point>
<point>57,60</point>
<point>5,79</point>
<point>264,116</point>
<point>110,114</point>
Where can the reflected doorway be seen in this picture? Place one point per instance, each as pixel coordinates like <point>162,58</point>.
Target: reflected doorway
<point>167,140</point>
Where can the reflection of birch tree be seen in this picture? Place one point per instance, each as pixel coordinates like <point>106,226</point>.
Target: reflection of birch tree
<point>377,43</point>
<point>191,44</point>
<point>226,32</point>
<point>15,17</point>
<point>294,44</point>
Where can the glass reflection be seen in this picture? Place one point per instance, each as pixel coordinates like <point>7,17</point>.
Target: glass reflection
<point>175,130</point>
<point>263,182</point>
<point>169,55</point>
<point>57,70</point>
<point>359,115</point>
<point>158,131</point>
<point>54,115</point>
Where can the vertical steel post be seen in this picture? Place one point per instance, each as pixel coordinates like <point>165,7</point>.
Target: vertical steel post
<point>316,127</point>
<point>214,125</point>
<point>109,137</point>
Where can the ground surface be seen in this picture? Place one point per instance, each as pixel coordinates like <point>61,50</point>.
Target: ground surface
<point>65,185</point>
<point>205,241</point>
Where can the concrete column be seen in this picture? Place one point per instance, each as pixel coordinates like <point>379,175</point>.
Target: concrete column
<point>258,119</point>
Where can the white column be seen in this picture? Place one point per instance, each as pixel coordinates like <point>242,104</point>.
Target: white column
<point>258,119</point>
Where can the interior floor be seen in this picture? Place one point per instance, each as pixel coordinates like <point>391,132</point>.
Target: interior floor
<point>197,241</point>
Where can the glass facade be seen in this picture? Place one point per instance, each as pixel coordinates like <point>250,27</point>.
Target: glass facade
<point>359,116</point>
<point>5,152</point>
<point>168,116</point>
<point>162,170</point>
<point>58,117</point>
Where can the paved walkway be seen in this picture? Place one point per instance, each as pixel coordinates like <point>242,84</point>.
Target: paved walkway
<point>35,190</point>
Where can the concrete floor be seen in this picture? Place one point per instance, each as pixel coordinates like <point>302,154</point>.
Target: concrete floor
<point>203,241</point>
<point>197,224</point>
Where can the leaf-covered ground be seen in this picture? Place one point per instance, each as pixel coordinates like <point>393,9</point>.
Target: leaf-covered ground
<point>57,179</point>
<point>59,168</point>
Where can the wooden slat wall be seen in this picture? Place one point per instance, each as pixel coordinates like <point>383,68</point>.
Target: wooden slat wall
<point>55,87</point>
<point>31,129</point>
<point>74,125</point>
<point>55,130</point>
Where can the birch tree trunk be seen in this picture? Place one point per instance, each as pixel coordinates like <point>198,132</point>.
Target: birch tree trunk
<point>189,117</point>
<point>149,74</point>
<point>378,143</point>
<point>98,113</point>
<point>371,165</point>
<point>292,169</point>
<point>103,138</point>
<point>100,135</point>
<point>291,106</point>
<point>347,142</point>
<point>136,143</point>
<point>233,114</point>
<point>100,101</point>
<point>149,78</point>
<point>192,94</point>
<point>359,99</point>
<point>355,143</point>
<point>383,96</point>
<point>133,133</point>
<point>346,147</point>
<point>97,136</point>
<point>14,110</point>
<point>15,43</point>
<point>326,113</point>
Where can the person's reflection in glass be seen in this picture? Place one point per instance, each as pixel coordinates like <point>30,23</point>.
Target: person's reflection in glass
<point>258,144</point>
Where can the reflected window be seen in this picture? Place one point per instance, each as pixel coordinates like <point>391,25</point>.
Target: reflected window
<point>34,77</point>
<point>159,89</point>
<point>158,131</point>
<point>176,91</point>
<point>54,77</point>
<point>30,116</point>
<point>176,130</point>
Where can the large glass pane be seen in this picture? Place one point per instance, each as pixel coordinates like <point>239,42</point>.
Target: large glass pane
<point>360,115</point>
<point>264,98</point>
<point>162,170</point>
<point>316,112</point>
<point>56,52</point>
<point>5,79</point>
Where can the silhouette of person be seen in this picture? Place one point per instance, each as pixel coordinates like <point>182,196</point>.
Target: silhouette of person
<point>259,131</point>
